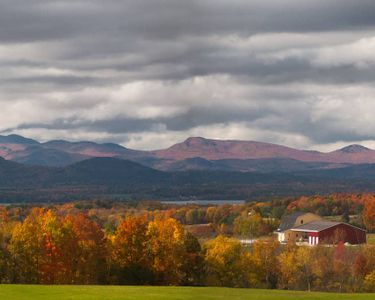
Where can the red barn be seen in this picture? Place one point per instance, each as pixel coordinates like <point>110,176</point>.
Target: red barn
<point>327,232</point>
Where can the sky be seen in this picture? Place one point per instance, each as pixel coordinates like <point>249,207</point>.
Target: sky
<point>148,74</point>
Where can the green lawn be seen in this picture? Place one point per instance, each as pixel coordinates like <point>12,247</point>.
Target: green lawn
<point>27,292</point>
<point>371,238</point>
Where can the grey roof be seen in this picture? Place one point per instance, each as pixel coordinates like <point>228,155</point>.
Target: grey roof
<point>316,226</point>
<point>288,221</point>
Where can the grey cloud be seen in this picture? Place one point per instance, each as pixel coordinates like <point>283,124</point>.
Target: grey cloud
<point>35,19</point>
<point>172,68</point>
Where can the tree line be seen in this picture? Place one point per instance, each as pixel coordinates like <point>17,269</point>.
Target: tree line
<point>50,247</point>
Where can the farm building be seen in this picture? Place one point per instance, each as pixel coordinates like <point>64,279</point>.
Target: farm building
<point>284,232</point>
<point>327,232</point>
<point>311,229</point>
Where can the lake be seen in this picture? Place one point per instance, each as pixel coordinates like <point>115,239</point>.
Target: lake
<point>204,202</point>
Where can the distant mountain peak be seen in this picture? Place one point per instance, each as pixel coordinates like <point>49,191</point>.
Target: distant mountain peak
<point>355,148</point>
<point>17,139</point>
<point>196,140</point>
<point>192,138</point>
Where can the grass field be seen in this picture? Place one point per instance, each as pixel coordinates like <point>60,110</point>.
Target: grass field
<point>27,292</point>
<point>371,238</point>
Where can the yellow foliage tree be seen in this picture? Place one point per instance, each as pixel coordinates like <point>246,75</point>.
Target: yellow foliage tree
<point>166,250</point>
<point>226,262</point>
<point>304,264</point>
<point>288,268</point>
<point>370,282</point>
<point>248,225</point>
<point>129,251</point>
<point>264,262</point>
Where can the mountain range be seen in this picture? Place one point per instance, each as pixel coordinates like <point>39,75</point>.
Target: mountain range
<point>199,168</point>
<point>195,153</point>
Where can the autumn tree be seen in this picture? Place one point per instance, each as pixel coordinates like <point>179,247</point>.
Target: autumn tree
<point>44,249</point>
<point>369,214</point>
<point>248,224</point>
<point>193,266</point>
<point>130,256</point>
<point>167,251</point>
<point>58,248</point>
<point>26,246</point>
<point>370,282</point>
<point>305,266</point>
<point>288,267</point>
<point>322,267</point>
<point>341,265</point>
<point>6,227</point>
<point>210,214</point>
<point>89,247</point>
<point>226,262</point>
<point>359,270</point>
<point>368,253</point>
<point>192,216</point>
<point>56,260</point>
<point>264,262</point>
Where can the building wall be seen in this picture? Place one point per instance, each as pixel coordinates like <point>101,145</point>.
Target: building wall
<point>293,236</point>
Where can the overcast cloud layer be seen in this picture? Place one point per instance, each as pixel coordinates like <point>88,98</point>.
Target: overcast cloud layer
<point>148,74</point>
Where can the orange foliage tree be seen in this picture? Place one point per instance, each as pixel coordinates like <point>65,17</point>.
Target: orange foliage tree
<point>369,214</point>
<point>89,247</point>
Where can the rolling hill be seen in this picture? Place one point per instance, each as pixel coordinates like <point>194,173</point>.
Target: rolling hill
<point>124,179</point>
<point>102,171</point>
<point>107,171</point>
<point>262,165</point>
<point>13,174</point>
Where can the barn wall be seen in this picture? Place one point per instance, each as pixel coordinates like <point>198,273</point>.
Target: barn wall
<point>343,232</point>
